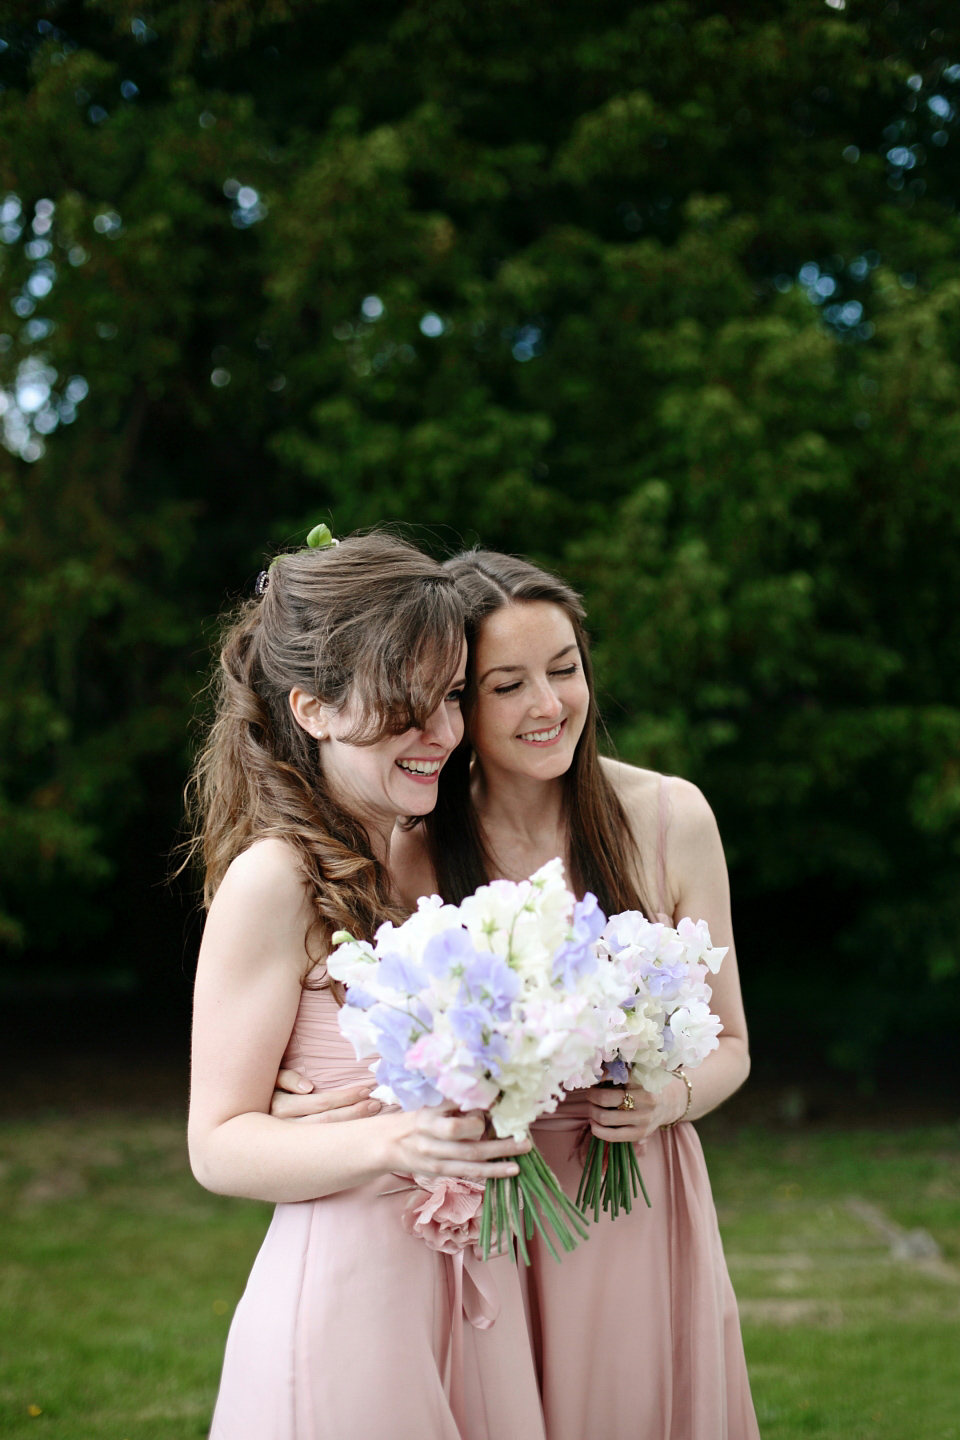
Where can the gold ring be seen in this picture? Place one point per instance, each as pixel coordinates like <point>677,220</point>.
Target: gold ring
<point>627,1103</point>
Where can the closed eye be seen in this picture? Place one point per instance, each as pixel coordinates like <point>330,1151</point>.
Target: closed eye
<point>507,689</point>
<point>566,671</point>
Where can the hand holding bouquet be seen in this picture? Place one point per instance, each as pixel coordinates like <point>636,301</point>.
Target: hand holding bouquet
<point>496,1004</point>
<point>664,1023</point>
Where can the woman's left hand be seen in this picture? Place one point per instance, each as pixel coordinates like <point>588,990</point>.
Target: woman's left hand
<point>609,1122</point>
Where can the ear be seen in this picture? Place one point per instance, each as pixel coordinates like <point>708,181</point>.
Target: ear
<point>310,713</point>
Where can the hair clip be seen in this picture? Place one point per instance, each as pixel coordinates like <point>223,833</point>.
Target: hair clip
<point>319,538</point>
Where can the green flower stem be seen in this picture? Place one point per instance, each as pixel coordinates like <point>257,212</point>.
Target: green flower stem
<point>629,1184</point>
<point>513,1190</point>
<point>635,1166</point>
<point>611,1177</point>
<point>553,1185</point>
<point>548,1194</point>
<point>589,1180</point>
<point>545,1208</point>
<point>542,1230</point>
<point>486,1220</point>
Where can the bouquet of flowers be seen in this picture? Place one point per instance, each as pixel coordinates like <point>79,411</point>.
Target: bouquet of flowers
<point>495,1004</point>
<point>665,1023</point>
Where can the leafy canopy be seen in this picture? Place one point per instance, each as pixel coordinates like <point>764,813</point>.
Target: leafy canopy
<point>663,295</point>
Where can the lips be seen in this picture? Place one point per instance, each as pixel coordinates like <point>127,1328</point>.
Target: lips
<point>547,736</point>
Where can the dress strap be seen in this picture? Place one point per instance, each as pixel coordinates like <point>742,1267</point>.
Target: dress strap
<point>663,789</point>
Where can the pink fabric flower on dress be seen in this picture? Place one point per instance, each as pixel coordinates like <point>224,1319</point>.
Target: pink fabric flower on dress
<point>445,1212</point>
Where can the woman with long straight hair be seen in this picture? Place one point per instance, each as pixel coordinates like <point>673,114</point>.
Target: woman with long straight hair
<point>636,1332</point>
<point>338,704</point>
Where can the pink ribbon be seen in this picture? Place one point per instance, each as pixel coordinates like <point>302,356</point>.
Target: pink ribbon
<point>474,1297</point>
<point>444,1212</point>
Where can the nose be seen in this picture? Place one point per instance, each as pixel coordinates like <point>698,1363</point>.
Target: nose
<point>444,728</point>
<point>545,702</point>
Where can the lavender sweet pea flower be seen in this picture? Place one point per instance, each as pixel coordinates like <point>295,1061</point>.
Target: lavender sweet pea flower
<point>361,999</point>
<point>396,1031</point>
<point>411,1088</point>
<point>616,1070</point>
<point>399,973</point>
<point>576,957</point>
<point>490,979</point>
<point>664,981</point>
<point>449,953</point>
<point>589,920</point>
<point>572,960</point>
<point>471,1025</point>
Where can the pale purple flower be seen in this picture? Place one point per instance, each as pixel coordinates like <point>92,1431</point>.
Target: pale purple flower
<point>472,1025</point>
<point>491,980</point>
<point>361,999</point>
<point>449,953</point>
<point>572,961</point>
<point>396,1030</point>
<point>589,920</point>
<point>410,1088</point>
<point>397,972</point>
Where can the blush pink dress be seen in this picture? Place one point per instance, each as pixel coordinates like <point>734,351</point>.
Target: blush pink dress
<point>352,1329</point>
<point>636,1333</point>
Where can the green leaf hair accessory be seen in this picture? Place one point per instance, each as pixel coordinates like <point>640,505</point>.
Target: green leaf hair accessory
<point>320,538</point>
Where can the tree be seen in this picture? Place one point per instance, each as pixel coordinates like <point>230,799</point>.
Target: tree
<point>662,294</point>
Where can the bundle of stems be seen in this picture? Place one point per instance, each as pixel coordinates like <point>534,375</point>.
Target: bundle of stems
<point>519,1204</point>
<point>610,1178</point>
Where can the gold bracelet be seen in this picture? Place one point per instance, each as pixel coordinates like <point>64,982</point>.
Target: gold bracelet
<point>681,1074</point>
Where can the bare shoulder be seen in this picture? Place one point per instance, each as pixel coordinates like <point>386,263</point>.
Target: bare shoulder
<point>692,824</point>
<point>269,870</point>
<point>637,790</point>
<point>695,862</point>
<point>263,900</point>
<point>631,782</point>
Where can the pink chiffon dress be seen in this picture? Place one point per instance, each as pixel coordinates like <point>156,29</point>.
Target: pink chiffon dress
<point>352,1328</point>
<point>636,1333</point>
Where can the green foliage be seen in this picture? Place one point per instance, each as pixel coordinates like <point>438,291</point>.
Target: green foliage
<point>662,294</point>
<point>120,1276</point>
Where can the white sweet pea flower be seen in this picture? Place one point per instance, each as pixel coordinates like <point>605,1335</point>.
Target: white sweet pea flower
<point>694,1030</point>
<point>351,961</point>
<point>698,945</point>
<point>355,1027</point>
<point>430,918</point>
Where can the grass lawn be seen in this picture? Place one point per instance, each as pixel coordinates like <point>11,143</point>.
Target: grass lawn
<point>118,1276</point>
<point>844,1341</point>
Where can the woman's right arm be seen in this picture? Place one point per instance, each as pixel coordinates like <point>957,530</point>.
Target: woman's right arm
<point>248,987</point>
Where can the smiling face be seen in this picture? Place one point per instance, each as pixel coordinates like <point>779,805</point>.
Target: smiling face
<point>532,697</point>
<point>396,775</point>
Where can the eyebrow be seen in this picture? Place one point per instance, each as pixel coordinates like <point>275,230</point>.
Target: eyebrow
<point>512,669</point>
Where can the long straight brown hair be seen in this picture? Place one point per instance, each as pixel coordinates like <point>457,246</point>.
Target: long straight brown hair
<point>603,852</point>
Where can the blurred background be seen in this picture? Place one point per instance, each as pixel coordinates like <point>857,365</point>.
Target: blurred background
<point>662,295</point>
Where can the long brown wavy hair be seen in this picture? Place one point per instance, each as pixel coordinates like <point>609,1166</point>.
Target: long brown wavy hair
<point>601,843</point>
<point>372,622</point>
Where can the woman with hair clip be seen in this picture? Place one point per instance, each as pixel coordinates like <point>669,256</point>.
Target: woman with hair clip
<point>636,1332</point>
<point>338,704</point>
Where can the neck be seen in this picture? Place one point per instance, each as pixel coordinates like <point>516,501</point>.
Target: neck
<point>519,813</point>
<point>381,834</point>
<point>379,830</point>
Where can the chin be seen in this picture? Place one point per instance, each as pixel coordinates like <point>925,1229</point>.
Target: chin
<point>421,803</point>
<point>548,765</point>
